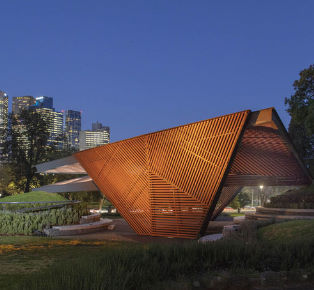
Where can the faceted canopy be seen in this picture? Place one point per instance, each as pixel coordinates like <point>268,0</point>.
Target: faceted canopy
<point>173,182</point>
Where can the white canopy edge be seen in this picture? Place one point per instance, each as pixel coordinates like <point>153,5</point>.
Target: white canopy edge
<point>84,183</point>
<point>68,165</point>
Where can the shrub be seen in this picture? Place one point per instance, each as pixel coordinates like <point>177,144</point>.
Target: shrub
<point>298,199</point>
<point>26,223</point>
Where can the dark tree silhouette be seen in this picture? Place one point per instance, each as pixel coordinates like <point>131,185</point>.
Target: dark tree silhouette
<point>301,109</point>
<point>27,143</point>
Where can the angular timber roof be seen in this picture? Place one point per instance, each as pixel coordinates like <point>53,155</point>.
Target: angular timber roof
<point>173,182</point>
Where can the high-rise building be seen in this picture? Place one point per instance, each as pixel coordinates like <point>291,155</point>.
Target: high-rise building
<point>44,102</point>
<point>99,135</point>
<point>44,106</point>
<point>4,101</point>
<point>4,112</point>
<point>57,132</point>
<point>72,128</point>
<point>96,126</point>
<point>21,103</point>
<point>18,105</point>
<point>55,125</point>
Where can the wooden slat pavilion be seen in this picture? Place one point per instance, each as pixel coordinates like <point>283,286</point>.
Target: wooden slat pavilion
<point>173,182</point>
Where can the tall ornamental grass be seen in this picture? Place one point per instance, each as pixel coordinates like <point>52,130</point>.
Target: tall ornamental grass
<point>140,267</point>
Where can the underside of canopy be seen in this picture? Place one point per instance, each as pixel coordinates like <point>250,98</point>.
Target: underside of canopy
<point>67,165</point>
<point>73,185</point>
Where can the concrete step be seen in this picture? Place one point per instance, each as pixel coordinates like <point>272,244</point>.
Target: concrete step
<point>238,219</point>
<point>285,211</point>
<point>263,216</point>
<point>70,230</point>
<point>210,238</point>
<point>86,219</point>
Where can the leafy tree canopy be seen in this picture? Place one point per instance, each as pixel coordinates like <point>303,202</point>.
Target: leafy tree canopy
<point>26,147</point>
<point>244,199</point>
<point>240,201</point>
<point>301,109</point>
<point>235,204</point>
<point>6,178</point>
<point>27,144</point>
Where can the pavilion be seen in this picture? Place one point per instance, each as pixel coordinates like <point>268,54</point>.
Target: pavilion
<point>173,182</point>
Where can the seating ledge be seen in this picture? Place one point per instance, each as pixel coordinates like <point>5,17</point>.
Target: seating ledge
<point>70,230</point>
<point>82,226</point>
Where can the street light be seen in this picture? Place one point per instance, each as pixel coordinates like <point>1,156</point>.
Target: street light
<point>260,193</point>
<point>252,200</point>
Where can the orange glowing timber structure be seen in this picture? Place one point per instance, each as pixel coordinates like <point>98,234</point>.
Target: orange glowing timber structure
<point>173,182</point>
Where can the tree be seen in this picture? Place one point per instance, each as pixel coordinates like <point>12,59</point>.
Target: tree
<point>301,109</point>
<point>6,178</point>
<point>235,204</point>
<point>240,201</point>
<point>27,144</point>
<point>244,199</point>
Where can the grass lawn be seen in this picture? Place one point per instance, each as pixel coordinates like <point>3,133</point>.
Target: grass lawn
<point>34,196</point>
<point>95,204</point>
<point>290,231</point>
<point>50,263</point>
<point>46,263</point>
<point>235,214</point>
<point>21,257</point>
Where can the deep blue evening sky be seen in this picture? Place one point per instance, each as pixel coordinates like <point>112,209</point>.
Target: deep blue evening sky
<point>141,66</point>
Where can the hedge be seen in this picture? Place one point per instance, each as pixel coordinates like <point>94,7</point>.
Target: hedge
<point>297,199</point>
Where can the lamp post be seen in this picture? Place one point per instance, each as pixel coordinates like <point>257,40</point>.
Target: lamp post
<point>260,193</point>
<point>252,198</point>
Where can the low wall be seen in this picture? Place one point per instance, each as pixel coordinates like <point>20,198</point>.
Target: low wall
<point>280,214</point>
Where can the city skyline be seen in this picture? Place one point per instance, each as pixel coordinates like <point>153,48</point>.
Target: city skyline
<point>64,127</point>
<point>39,101</point>
<point>175,63</point>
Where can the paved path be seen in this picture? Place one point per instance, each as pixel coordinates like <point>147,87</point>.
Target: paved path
<point>123,232</point>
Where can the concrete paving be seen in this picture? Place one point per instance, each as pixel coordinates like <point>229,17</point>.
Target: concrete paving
<point>123,232</point>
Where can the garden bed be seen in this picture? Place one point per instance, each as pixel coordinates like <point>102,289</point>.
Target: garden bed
<point>14,222</point>
<point>31,212</point>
